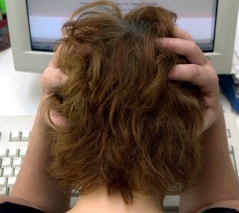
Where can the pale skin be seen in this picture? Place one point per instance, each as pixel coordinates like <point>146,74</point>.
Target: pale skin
<point>217,184</point>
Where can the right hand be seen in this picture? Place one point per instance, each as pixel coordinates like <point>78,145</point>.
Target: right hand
<point>199,72</point>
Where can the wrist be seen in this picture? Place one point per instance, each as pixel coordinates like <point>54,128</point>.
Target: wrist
<point>218,127</point>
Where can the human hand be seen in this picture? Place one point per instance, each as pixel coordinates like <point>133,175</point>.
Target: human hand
<point>51,80</point>
<point>199,72</point>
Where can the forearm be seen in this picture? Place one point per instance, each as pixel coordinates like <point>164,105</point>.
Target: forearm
<point>216,180</point>
<point>33,184</point>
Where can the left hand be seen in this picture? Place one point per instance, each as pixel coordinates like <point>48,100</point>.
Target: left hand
<point>198,72</point>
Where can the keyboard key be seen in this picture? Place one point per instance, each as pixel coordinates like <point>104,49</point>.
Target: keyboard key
<point>3,191</point>
<point>3,152</point>
<point>11,181</point>
<point>17,162</point>
<point>6,162</point>
<point>8,172</point>
<point>15,135</point>
<point>16,171</point>
<point>3,181</point>
<point>13,152</point>
<point>9,190</point>
<point>23,152</point>
<point>25,135</point>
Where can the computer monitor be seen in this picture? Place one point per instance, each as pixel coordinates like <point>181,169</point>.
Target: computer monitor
<point>35,25</point>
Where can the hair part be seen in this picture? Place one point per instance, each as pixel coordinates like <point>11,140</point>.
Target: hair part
<point>128,127</point>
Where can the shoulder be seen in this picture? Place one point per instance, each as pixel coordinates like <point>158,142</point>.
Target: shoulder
<point>18,201</point>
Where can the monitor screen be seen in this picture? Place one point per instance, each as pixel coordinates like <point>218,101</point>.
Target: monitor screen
<point>198,18</point>
<point>35,26</point>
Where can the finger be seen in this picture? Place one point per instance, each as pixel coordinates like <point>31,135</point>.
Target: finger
<point>53,62</point>
<point>209,118</point>
<point>52,79</point>
<point>192,73</point>
<point>179,33</point>
<point>185,48</point>
<point>56,120</point>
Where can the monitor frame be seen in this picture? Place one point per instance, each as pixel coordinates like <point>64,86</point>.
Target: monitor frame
<point>36,61</point>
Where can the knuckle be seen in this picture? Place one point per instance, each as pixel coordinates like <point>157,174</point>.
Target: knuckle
<point>195,71</point>
<point>194,47</point>
<point>43,78</point>
<point>187,35</point>
<point>59,76</point>
<point>215,78</point>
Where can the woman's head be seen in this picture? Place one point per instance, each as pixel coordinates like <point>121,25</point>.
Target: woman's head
<point>128,127</point>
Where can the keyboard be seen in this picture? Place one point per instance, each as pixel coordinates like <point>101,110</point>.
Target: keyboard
<point>14,136</point>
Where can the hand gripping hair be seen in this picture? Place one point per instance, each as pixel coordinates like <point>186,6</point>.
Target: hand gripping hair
<point>128,128</point>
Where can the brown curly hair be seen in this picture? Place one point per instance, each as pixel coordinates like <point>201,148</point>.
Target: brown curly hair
<point>128,128</point>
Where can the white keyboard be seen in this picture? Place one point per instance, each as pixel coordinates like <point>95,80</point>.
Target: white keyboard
<point>14,134</point>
